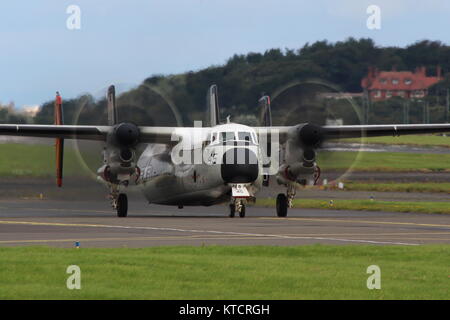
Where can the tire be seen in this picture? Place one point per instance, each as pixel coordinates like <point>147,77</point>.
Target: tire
<point>232,210</point>
<point>282,205</point>
<point>242,212</point>
<point>122,205</point>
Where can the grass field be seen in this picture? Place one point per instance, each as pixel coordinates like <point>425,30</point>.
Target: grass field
<point>383,161</point>
<point>25,160</point>
<point>415,140</point>
<point>366,205</point>
<point>18,160</point>
<point>227,272</point>
<point>398,187</point>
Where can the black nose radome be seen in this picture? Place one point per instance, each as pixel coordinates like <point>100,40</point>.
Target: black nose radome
<point>239,165</point>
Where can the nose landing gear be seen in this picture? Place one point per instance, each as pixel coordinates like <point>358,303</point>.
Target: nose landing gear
<point>239,206</point>
<point>239,195</point>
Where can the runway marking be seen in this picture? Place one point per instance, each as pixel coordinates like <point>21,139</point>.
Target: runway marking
<point>70,210</point>
<point>206,231</point>
<point>369,234</point>
<point>184,238</point>
<point>188,238</point>
<point>195,237</point>
<point>362,221</point>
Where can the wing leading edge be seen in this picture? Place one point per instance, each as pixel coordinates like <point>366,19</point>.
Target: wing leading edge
<point>332,132</point>
<point>97,133</point>
<point>165,134</point>
<point>55,131</point>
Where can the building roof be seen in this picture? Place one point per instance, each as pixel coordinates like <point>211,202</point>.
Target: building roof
<point>399,80</point>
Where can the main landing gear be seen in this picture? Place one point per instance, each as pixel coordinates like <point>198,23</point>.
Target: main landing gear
<point>119,201</point>
<point>239,206</point>
<point>122,205</point>
<point>284,201</point>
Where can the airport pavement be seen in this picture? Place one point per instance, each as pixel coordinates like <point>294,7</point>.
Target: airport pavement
<point>93,224</point>
<point>83,188</point>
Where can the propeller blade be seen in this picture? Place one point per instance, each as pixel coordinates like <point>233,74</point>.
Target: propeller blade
<point>59,144</point>
<point>212,103</point>
<point>112,109</point>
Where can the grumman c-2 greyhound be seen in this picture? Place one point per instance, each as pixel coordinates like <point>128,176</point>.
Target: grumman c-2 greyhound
<point>225,162</point>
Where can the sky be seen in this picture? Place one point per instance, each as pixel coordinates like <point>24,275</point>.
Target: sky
<point>123,42</point>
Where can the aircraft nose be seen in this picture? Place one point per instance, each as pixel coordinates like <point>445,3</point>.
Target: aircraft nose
<point>239,165</point>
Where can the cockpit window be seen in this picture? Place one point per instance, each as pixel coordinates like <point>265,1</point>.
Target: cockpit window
<point>245,136</point>
<point>227,136</point>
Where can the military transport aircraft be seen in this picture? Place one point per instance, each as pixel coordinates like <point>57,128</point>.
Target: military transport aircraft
<point>224,162</point>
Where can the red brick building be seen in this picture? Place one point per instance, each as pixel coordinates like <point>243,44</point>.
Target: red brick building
<point>382,85</point>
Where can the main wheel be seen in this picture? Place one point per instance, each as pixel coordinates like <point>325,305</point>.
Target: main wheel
<point>242,212</point>
<point>122,205</point>
<point>282,205</point>
<point>232,210</point>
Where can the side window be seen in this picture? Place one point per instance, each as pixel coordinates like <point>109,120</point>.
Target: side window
<point>245,136</point>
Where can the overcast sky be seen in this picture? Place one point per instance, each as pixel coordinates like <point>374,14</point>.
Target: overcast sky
<point>124,42</point>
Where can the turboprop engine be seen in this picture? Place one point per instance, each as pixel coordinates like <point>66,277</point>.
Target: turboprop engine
<point>119,155</point>
<point>301,155</point>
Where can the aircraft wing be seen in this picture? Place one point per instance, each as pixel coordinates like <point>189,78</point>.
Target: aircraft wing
<point>98,133</point>
<point>55,131</point>
<point>316,134</point>
<point>165,134</point>
<point>332,132</point>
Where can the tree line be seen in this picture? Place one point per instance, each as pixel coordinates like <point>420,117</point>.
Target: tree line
<point>295,79</point>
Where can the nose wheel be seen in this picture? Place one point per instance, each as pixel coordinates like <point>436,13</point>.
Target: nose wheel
<point>238,206</point>
<point>282,205</point>
<point>232,210</point>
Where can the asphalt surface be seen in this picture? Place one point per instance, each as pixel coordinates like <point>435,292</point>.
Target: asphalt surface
<point>93,224</point>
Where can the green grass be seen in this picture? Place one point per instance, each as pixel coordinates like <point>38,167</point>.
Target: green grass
<point>25,160</point>
<point>227,272</point>
<point>20,160</point>
<point>443,187</point>
<point>383,161</point>
<point>366,205</point>
<point>415,140</point>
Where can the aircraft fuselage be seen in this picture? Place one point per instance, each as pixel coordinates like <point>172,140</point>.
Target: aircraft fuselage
<point>205,182</point>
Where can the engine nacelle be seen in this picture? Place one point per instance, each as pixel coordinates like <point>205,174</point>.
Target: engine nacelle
<point>296,172</point>
<point>124,135</point>
<point>119,165</point>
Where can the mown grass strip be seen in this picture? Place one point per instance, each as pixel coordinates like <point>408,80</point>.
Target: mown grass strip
<point>413,140</point>
<point>398,187</point>
<point>227,272</point>
<point>384,161</point>
<point>365,205</point>
<point>20,160</point>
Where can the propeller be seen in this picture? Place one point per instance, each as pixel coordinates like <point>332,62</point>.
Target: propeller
<point>315,103</point>
<point>145,105</point>
<point>266,121</point>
